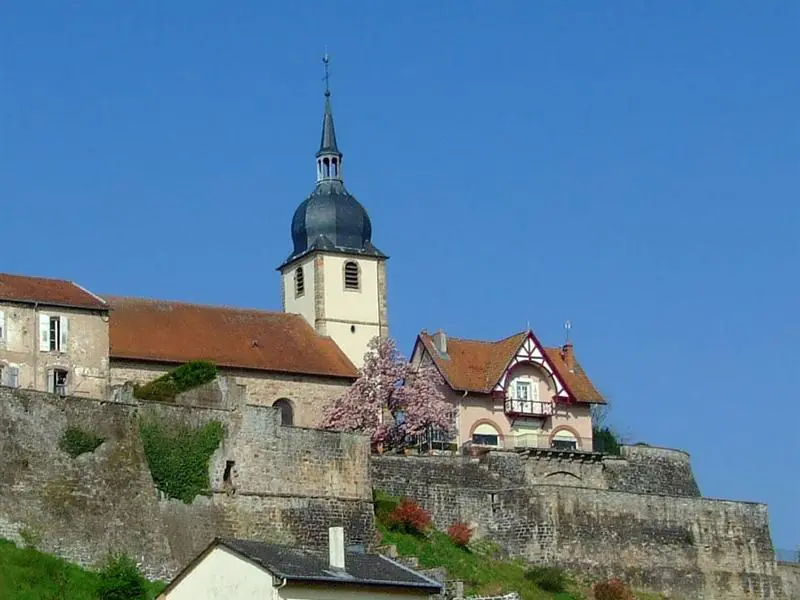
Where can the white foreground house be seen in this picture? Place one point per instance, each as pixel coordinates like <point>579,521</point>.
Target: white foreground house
<point>248,570</point>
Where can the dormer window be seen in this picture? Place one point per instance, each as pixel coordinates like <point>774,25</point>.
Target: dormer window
<point>299,282</point>
<point>351,275</point>
<point>523,391</point>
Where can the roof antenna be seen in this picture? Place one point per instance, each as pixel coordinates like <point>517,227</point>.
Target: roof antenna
<point>326,61</point>
<point>567,327</point>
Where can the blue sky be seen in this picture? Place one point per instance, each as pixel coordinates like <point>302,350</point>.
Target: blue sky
<point>631,167</point>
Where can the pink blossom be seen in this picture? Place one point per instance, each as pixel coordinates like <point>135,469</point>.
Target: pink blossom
<point>391,400</point>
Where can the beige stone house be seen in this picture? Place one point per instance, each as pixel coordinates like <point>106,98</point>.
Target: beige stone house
<point>512,393</point>
<point>243,569</point>
<point>53,336</point>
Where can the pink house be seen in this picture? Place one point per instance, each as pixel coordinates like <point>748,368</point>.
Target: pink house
<point>513,393</point>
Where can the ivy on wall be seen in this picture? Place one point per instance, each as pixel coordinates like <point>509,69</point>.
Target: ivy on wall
<point>178,456</point>
<point>181,379</point>
<point>75,441</point>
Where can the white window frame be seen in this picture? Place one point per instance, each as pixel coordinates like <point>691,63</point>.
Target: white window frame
<point>46,330</point>
<point>52,385</point>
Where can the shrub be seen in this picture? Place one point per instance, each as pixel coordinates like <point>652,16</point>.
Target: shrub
<point>409,517</point>
<point>459,533</point>
<point>605,440</point>
<point>613,589</point>
<point>178,456</point>
<point>120,579</point>
<point>181,379</point>
<point>75,441</point>
<point>550,579</point>
<point>383,504</point>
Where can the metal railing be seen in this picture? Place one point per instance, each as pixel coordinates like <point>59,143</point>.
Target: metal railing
<point>787,556</point>
<point>437,442</point>
<point>534,408</point>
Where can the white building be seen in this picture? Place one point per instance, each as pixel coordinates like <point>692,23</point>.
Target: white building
<point>248,570</point>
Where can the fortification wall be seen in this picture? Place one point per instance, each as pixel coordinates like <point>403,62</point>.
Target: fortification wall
<point>790,576</point>
<point>688,546</point>
<point>287,484</point>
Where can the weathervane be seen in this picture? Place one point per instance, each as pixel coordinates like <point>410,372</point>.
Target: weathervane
<point>326,61</point>
<point>567,327</point>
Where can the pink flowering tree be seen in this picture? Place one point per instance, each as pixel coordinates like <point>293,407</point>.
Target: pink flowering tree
<point>391,401</point>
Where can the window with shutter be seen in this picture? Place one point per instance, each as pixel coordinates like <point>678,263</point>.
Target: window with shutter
<point>12,376</point>
<point>44,333</point>
<point>351,275</point>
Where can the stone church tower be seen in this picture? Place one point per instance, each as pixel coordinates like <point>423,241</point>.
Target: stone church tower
<point>335,277</point>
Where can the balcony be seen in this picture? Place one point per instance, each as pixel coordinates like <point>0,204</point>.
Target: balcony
<point>529,408</point>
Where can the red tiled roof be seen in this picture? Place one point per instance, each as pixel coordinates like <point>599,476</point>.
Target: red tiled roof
<point>53,292</point>
<point>162,331</point>
<point>477,366</point>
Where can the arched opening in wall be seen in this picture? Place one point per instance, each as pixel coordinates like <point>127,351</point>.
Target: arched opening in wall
<point>486,434</point>
<point>562,478</point>
<point>334,168</point>
<point>299,282</point>
<point>326,167</point>
<point>287,411</point>
<point>351,275</point>
<point>564,439</point>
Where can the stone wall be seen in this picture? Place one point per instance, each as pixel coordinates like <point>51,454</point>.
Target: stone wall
<point>288,484</point>
<point>790,576</point>
<point>688,546</point>
<point>651,470</point>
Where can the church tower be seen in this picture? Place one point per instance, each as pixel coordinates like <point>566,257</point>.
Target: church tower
<point>335,277</point>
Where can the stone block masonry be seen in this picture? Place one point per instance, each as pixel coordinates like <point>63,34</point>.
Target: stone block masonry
<point>268,482</point>
<point>688,546</point>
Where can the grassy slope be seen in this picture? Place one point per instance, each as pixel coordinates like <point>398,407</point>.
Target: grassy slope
<point>481,572</point>
<point>26,574</point>
<point>479,568</point>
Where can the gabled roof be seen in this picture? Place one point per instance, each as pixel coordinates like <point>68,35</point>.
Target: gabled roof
<point>477,365</point>
<point>176,332</point>
<point>49,292</point>
<point>311,566</point>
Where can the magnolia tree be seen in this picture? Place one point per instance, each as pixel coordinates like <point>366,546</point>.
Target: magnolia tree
<point>388,385</point>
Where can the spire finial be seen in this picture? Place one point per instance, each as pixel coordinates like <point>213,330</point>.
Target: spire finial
<point>326,61</point>
<point>567,327</point>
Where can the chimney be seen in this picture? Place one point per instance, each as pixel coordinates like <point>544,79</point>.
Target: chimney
<point>336,547</point>
<point>440,341</point>
<point>568,356</point>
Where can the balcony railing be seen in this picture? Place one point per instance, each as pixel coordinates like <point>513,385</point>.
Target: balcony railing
<point>532,408</point>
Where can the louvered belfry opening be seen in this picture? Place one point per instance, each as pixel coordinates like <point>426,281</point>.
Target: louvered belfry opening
<point>351,275</point>
<point>299,282</point>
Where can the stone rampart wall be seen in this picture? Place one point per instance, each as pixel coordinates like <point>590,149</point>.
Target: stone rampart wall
<point>288,484</point>
<point>790,576</point>
<point>688,546</point>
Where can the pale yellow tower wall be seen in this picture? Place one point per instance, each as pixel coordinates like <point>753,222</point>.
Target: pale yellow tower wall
<point>302,304</point>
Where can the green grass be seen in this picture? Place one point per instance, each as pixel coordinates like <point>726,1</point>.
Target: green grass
<point>479,567</point>
<point>27,574</point>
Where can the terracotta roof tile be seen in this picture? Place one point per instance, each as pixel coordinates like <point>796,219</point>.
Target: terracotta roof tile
<point>231,337</point>
<point>476,365</point>
<point>53,292</point>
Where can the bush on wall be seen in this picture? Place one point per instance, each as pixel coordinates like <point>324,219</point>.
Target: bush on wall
<point>75,441</point>
<point>178,456</point>
<point>169,385</point>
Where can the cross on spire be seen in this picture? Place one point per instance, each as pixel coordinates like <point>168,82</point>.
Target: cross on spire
<point>326,61</point>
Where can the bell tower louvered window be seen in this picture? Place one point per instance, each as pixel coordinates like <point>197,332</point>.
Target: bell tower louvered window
<point>351,275</point>
<point>299,282</point>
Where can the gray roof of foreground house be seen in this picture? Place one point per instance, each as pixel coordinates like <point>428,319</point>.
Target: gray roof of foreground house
<point>312,566</point>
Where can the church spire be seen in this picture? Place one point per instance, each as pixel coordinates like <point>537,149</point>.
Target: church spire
<point>329,159</point>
